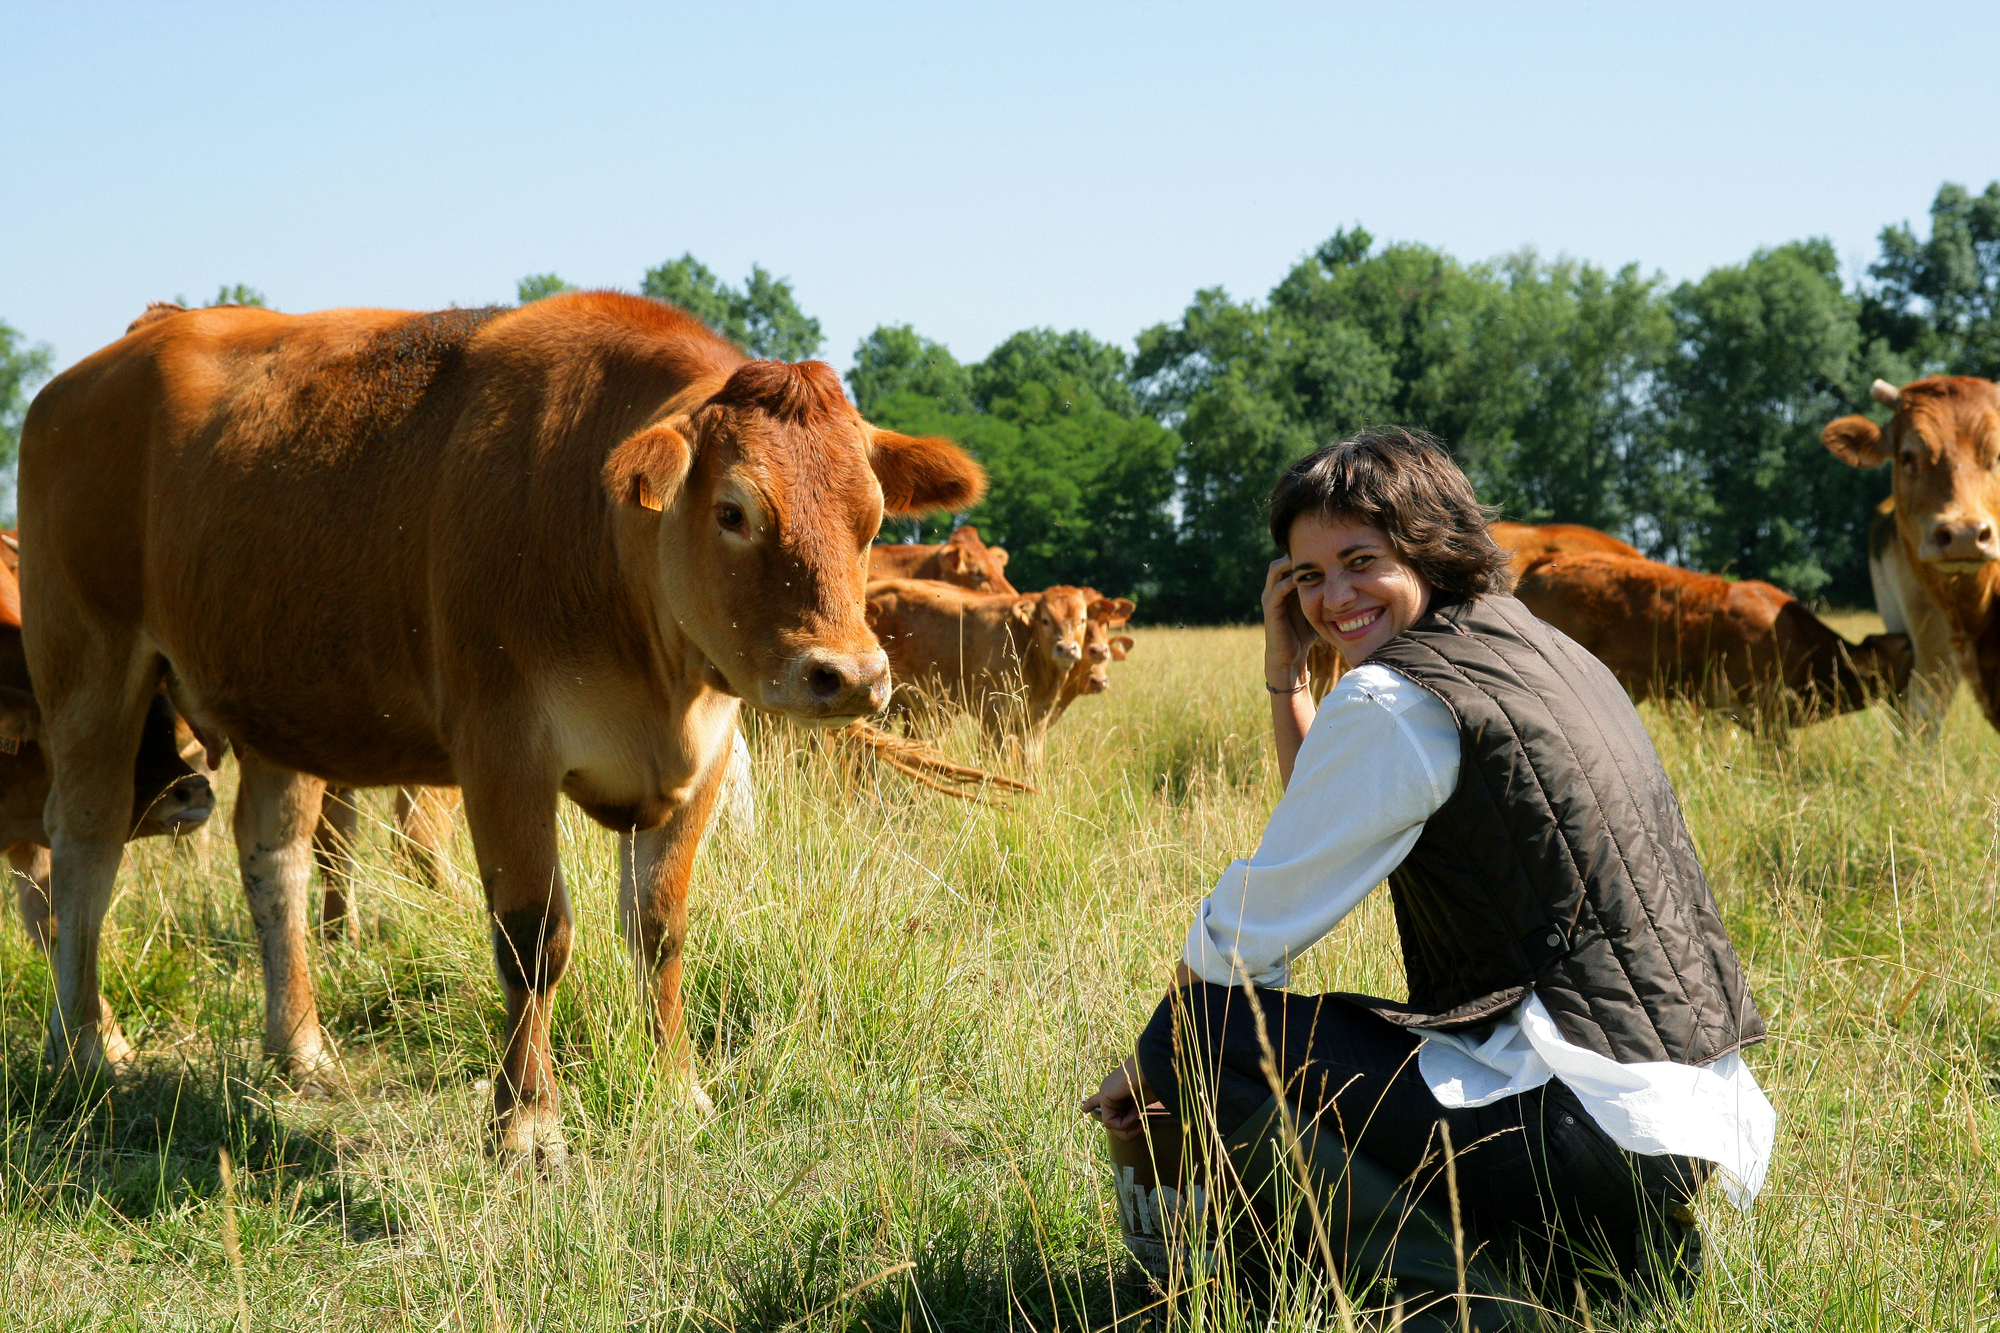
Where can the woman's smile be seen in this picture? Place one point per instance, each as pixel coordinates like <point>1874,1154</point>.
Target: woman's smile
<point>1355,624</point>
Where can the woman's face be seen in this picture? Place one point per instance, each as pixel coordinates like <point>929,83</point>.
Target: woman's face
<point>1356,591</point>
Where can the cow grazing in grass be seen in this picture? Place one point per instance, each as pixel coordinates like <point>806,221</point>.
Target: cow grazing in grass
<point>1525,543</point>
<point>527,553</point>
<point>1002,657</point>
<point>166,797</point>
<point>1745,648</point>
<point>963,561</point>
<point>1934,549</point>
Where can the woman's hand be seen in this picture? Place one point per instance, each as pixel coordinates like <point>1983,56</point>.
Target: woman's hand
<point>1118,1100</point>
<point>1287,634</point>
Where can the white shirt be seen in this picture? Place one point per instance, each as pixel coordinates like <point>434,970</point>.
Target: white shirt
<point>1380,759</point>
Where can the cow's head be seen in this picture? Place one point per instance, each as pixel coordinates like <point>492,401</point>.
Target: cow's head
<point>1099,647</point>
<point>1943,444</point>
<point>971,563</point>
<point>1056,619</point>
<point>168,797</point>
<point>754,512</point>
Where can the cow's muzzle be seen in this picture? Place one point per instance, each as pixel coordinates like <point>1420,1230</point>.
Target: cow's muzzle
<point>1963,544</point>
<point>183,807</point>
<point>823,686</point>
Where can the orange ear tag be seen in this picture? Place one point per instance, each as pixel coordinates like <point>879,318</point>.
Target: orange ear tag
<point>645,496</point>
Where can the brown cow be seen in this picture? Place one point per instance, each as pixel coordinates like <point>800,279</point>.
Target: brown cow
<point>1745,648</point>
<point>589,527</point>
<point>963,561</point>
<point>1092,674</point>
<point>1002,657</point>
<point>1934,548</point>
<point>1525,543</point>
<point>167,796</point>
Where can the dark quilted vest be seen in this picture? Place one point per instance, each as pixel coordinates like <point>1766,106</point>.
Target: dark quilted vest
<point>1561,861</point>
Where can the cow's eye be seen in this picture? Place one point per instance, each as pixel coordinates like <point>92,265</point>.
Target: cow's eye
<point>1910,461</point>
<point>730,516</point>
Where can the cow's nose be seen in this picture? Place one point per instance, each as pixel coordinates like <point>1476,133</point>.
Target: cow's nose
<point>1965,541</point>
<point>1068,651</point>
<point>194,799</point>
<point>1099,653</point>
<point>826,684</point>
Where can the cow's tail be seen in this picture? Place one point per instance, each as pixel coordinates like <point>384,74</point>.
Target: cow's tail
<point>920,762</point>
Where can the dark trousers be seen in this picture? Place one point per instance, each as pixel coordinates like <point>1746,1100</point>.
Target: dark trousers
<point>1529,1167</point>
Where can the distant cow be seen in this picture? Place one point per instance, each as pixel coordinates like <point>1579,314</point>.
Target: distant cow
<point>963,560</point>
<point>1934,548</point>
<point>528,553</point>
<point>1525,543</point>
<point>1091,674</point>
<point>1745,648</point>
<point>1002,657</point>
<point>167,796</point>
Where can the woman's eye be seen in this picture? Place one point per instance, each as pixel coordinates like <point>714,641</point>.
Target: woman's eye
<point>1360,562</point>
<point>731,517</point>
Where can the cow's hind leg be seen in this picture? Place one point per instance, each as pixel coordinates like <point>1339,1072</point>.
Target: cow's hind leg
<point>277,811</point>
<point>654,869</point>
<point>513,821</point>
<point>93,714</point>
<point>30,864</point>
<point>423,831</point>
<point>334,844</point>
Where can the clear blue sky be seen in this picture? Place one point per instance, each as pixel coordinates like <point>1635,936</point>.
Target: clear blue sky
<point>971,171</point>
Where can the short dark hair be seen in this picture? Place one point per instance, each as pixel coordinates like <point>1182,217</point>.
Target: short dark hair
<point>1403,482</point>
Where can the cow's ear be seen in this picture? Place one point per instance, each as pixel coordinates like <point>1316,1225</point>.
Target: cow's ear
<point>924,474</point>
<point>1113,611</point>
<point>1024,610</point>
<point>1121,647</point>
<point>646,471</point>
<point>999,554</point>
<point>1856,441</point>
<point>20,720</point>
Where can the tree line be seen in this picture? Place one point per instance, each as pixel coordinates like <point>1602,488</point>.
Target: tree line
<point>1683,417</point>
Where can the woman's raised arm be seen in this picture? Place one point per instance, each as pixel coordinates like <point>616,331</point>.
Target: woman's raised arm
<point>1286,638</point>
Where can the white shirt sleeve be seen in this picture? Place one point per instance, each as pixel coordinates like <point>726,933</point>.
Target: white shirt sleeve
<point>1380,759</point>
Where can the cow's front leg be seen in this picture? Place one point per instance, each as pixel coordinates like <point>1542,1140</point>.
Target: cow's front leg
<point>335,843</point>
<point>654,869</point>
<point>513,821</point>
<point>277,811</point>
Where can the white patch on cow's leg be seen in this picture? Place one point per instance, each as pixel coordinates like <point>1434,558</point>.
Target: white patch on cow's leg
<point>654,868</point>
<point>30,864</point>
<point>277,811</point>
<point>335,841</point>
<point>1906,608</point>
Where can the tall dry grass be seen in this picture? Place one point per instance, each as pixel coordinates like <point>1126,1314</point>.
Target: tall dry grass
<point>898,1001</point>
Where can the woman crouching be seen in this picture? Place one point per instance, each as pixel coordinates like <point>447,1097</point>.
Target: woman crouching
<point>1533,1122</point>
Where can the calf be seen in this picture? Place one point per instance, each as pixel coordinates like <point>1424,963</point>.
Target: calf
<point>1002,657</point>
<point>1092,675</point>
<point>1934,547</point>
<point>528,553</point>
<point>963,561</point>
<point>1745,648</point>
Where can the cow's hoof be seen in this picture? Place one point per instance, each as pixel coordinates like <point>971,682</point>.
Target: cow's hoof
<point>310,1073</point>
<point>529,1138</point>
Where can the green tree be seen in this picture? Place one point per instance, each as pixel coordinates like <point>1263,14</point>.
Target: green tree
<point>238,293</point>
<point>1767,352</point>
<point>1936,302</point>
<point>895,359</point>
<point>22,367</point>
<point>1080,488</point>
<point>763,317</point>
<point>536,286</point>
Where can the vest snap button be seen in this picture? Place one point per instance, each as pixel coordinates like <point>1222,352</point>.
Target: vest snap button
<point>1569,1119</point>
<point>1555,940</point>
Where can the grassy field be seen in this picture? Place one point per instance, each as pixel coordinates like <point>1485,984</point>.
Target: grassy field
<point>898,1000</point>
